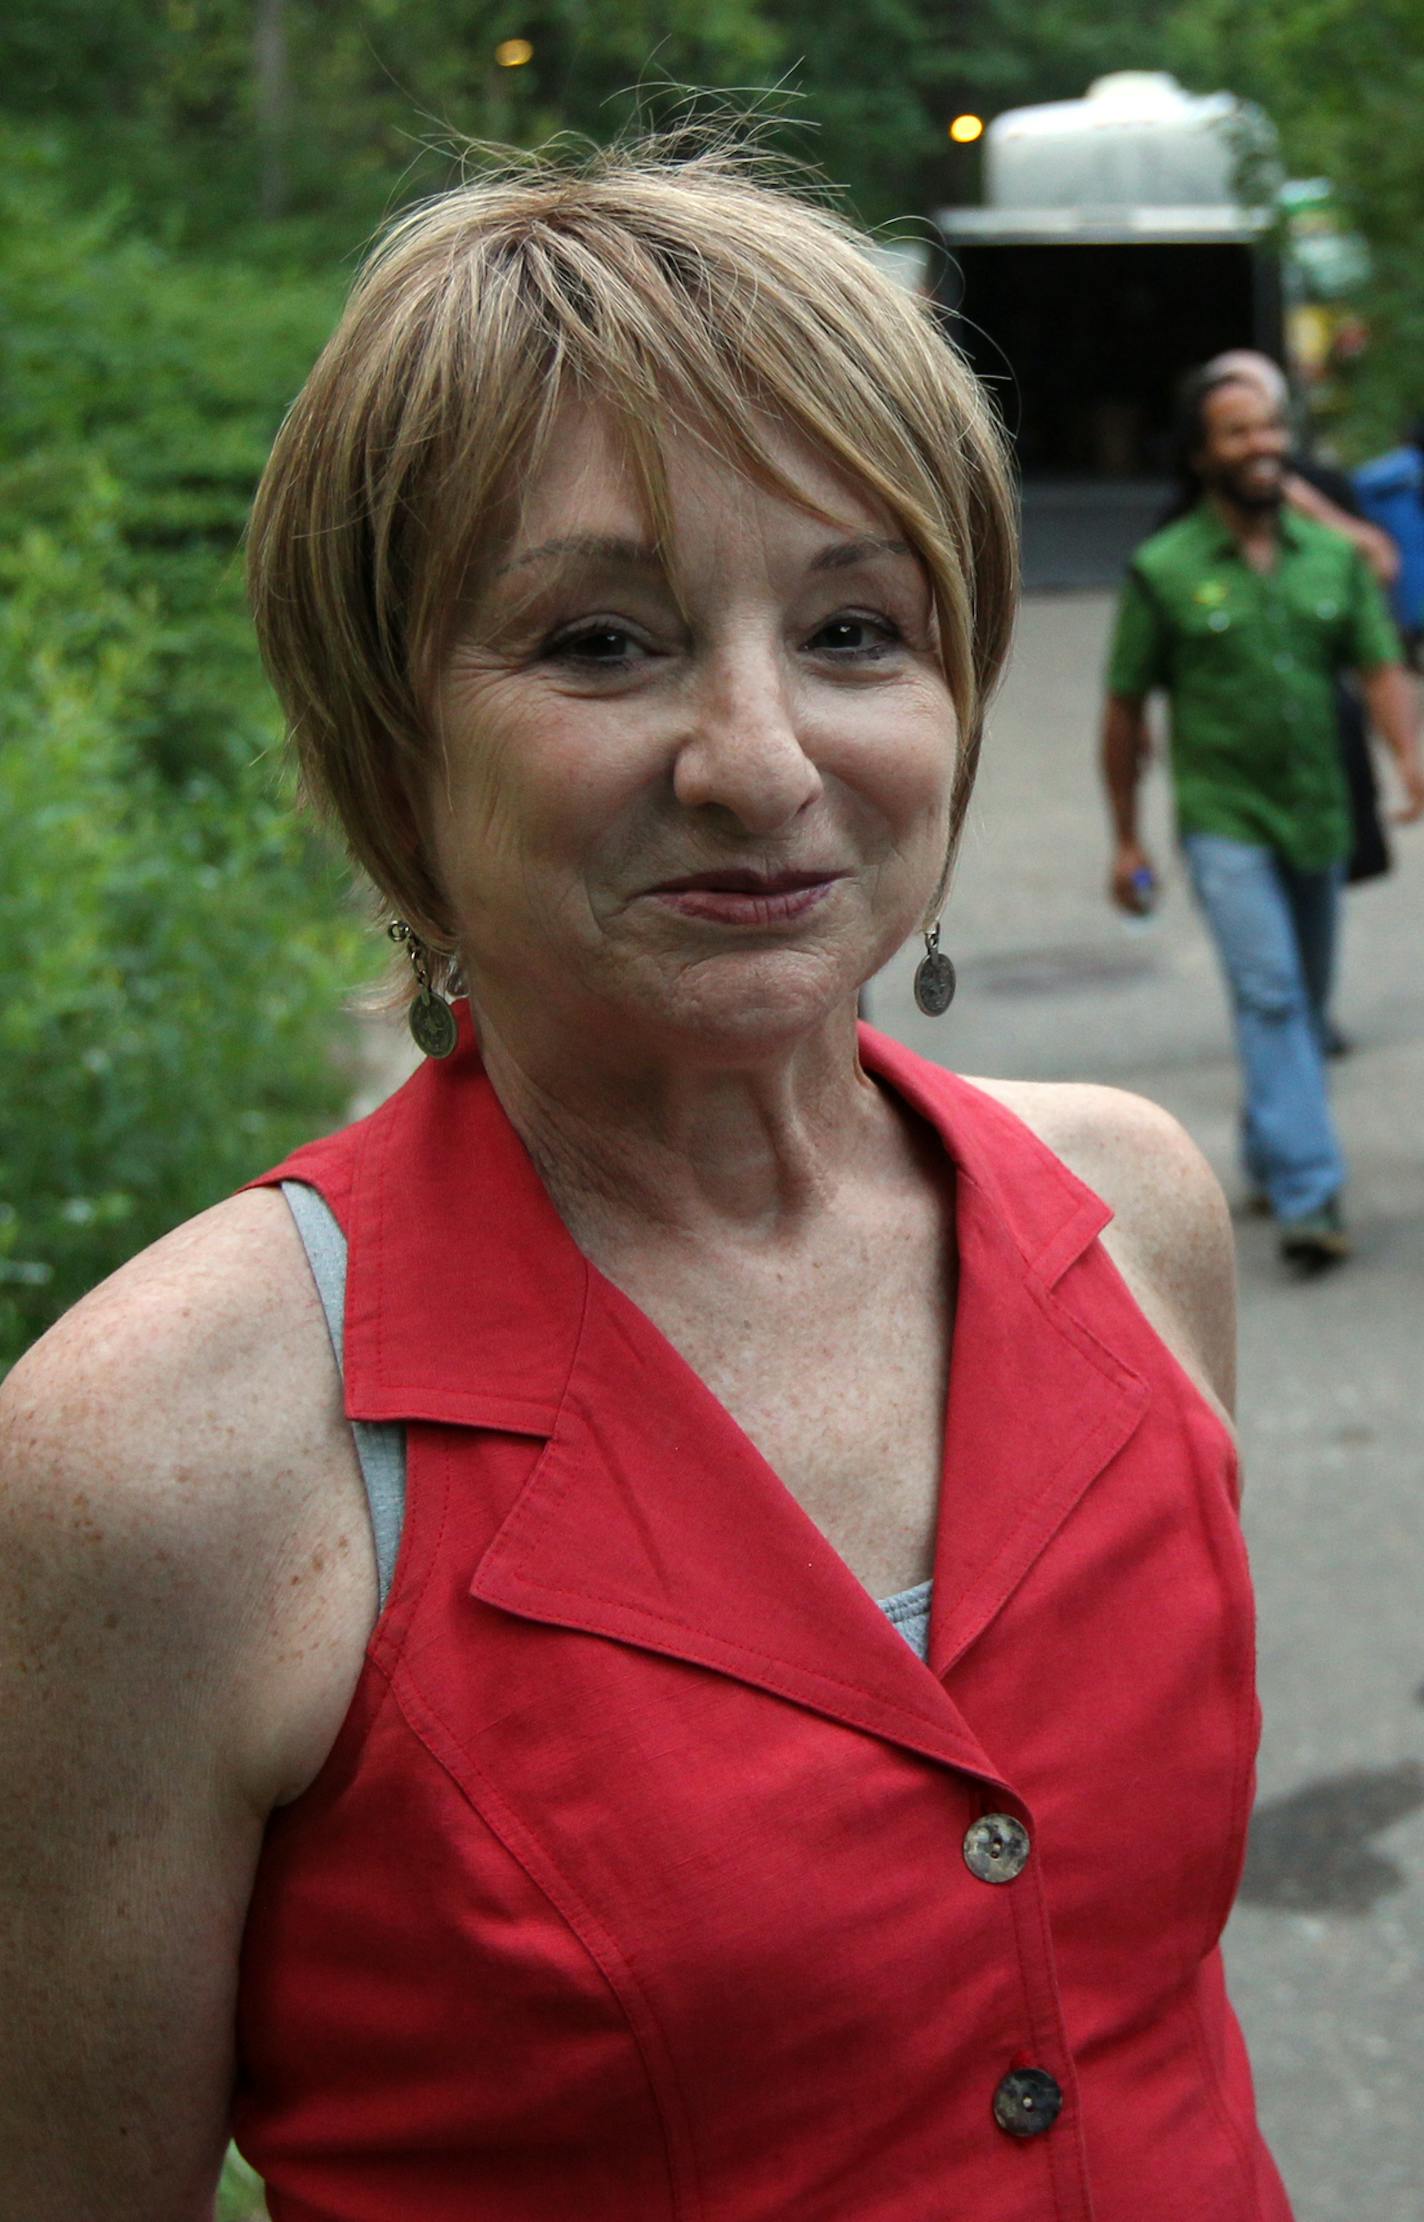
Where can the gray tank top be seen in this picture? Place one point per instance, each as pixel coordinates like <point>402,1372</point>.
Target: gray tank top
<point>380,1445</point>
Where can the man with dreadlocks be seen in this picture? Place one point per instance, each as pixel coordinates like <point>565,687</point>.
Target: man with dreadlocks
<point>1244,612</point>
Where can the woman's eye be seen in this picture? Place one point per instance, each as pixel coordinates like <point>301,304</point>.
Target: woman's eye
<point>855,638</point>
<point>611,646</point>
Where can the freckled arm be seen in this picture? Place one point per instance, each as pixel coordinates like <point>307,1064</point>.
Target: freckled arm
<point>181,1626</point>
<point>124,1864</point>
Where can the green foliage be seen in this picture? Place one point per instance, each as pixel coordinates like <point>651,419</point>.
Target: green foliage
<point>173,946</point>
<point>240,2193</point>
<point>369,105</point>
<point>173,376</point>
<point>168,974</point>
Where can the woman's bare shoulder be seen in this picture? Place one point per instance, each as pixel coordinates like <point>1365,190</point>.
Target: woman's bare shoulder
<point>1170,1235</point>
<point>181,1428</point>
<point>192,1356</point>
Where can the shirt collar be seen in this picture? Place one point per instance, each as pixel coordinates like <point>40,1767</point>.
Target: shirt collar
<point>466,1293</point>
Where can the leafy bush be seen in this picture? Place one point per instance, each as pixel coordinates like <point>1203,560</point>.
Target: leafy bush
<point>171,960</point>
<point>172,375</point>
<point>174,945</point>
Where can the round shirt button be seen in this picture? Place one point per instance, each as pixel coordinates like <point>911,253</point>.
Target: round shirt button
<point>996,1848</point>
<point>1027,2103</point>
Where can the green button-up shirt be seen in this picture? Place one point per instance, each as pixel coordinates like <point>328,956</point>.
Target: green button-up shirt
<point>1249,661</point>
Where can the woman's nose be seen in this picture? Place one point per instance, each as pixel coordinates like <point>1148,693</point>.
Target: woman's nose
<point>743,752</point>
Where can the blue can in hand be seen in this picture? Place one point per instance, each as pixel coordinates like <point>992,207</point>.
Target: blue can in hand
<point>1143,889</point>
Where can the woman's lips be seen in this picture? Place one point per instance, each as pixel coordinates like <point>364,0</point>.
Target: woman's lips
<point>738,897</point>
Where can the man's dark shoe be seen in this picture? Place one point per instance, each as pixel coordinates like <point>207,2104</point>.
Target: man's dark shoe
<point>1336,1043</point>
<point>1318,1239</point>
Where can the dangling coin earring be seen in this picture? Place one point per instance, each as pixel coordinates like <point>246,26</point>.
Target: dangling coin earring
<point>935,982</point>
<point>432,1022</point>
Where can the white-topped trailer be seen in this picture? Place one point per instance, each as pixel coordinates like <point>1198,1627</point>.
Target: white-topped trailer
<point>1124,238</point>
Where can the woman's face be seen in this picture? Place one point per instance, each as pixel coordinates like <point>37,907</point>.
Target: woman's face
<point>708,818</point>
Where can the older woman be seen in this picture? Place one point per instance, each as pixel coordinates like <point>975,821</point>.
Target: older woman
<point>715,1682</point>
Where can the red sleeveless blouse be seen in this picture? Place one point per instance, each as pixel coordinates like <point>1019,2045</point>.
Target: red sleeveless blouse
<point>648,1879</point>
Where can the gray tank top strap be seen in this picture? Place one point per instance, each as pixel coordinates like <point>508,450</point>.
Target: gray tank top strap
<point>909,1611</point>
<point>380,1445</point>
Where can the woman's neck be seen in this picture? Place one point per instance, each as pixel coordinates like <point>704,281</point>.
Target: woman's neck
<point>664,1147</point>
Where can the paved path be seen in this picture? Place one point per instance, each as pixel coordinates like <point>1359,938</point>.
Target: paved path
<point>1327,1946</point>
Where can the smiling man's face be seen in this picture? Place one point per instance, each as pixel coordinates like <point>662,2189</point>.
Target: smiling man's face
<point>1243,452</point>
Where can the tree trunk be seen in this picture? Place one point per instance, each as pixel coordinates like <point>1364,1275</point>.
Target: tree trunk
<point>272,101</point>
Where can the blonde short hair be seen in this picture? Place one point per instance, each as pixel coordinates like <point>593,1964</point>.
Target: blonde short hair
<point>664,288</point>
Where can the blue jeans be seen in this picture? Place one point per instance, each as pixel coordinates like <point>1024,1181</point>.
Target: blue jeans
<point>1275,931</point>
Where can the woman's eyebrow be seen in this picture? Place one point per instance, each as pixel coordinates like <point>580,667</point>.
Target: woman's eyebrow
<point>596,546</point>
<point>844,554</point>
